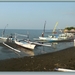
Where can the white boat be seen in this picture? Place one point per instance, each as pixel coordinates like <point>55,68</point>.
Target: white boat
<point>57,38</point>
<point>24,44</point>
<point>3,39</point>
<point>6,39</point>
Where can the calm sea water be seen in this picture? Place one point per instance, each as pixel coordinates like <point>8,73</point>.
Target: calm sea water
<point>7,53</point>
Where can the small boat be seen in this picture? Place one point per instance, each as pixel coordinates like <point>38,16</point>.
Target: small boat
<point>57,38</point>
<point>25,44</point>
<point>3,39</point>
<point>6,39</point>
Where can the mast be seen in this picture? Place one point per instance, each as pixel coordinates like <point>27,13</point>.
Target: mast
<point>44,29</point>
<point>4,30</point>
<point>55,27</point>
<point>28,36</point>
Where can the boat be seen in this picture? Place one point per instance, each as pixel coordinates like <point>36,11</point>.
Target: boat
<point>3,39</point>
<point>6,39</point>
<point>57,38</point>
<point>62,37</point>
<point>25,44</point>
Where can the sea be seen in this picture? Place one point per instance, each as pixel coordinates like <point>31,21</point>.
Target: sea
<point>7,53</point>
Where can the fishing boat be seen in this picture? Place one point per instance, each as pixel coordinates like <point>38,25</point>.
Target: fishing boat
<point>57,38</point>
<point>60,37</point>
<point>25,44</point>
<point>6,39</point>
<point>3,39</point>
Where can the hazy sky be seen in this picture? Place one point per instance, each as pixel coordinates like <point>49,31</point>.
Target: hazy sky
<point>32,15</point>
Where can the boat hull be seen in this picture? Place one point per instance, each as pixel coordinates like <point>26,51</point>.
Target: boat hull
<point>3,39</point>
<point>26,45</point>
<point>48,39</point>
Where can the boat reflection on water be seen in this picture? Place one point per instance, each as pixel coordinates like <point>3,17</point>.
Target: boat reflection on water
<point>7,53</point>
<point>26,51</point>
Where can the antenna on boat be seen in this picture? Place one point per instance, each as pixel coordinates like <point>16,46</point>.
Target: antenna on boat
<point>4,30</point>
<point>44,29</point>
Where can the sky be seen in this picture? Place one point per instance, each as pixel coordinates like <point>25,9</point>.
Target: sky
<point>32,15</point>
